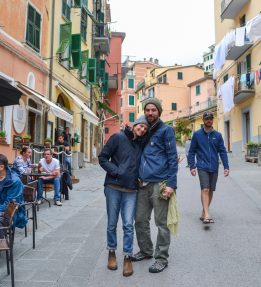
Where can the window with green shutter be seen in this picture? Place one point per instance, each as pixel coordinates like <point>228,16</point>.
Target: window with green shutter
<point>65,44</point>
<point>102,69</point>
<point>131,100</point>
<point>131,117</point>
<point>106,84</point>
<point>248,62</point>
<point>197,90</point>
<point>180,76</point>
<point>66,9</point>
<point>84,22</point>
<point>84,63</point>
<point>173,106</point>
<point>92,70</point>
<point>77,3</point>
<point>76,51</point>
<point>131,83</point>
<point>33,30</point>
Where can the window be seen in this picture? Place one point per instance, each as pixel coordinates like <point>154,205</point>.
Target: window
<point>84,24</point>
<point>131,100</point>
<point>197,103</point>
<point>138,109</point>
<point>151,93</point>
<point>121,102</point>
<point>131,117</point>
<point>242,21</point>
<point>131,83</point>
<point>65,42</point>
<point>164,79</point>
<point>66,9</point>
<point>197,90</point>
<point>211,56</point>
<point>106,130</point>
<point>33,29</point>
<point>180,76</point>
<point>160,80</point>
<point>225,78</point>
<point>174,106</point>
<point>248,62</point>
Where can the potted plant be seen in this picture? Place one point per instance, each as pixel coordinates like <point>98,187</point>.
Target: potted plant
<point>252,149</point>
<point>47,141</point>
<point>26,138</point>
<point>3,137</point>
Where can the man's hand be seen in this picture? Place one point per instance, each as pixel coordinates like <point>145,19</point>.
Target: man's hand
<point>226,172</point>
<point>168,191</point>
<point>193,172</point>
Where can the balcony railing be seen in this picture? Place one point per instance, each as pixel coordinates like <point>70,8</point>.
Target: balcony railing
<point>231,8</point>
<point>236,51</point>
<point>101,39</point>
<point>244,87</point>
<point>201,106</point>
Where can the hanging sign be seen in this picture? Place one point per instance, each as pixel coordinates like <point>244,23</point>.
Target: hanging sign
<point>19,117</point>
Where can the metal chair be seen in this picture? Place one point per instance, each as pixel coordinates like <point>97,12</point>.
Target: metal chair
<point>6,244</point>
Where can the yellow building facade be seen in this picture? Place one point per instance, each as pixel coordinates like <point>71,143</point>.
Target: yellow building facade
<point>242,123</point>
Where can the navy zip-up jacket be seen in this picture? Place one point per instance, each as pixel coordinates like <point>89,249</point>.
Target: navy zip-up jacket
<point>159,159</point>
<point>120,158</point>
<point>206,147</point>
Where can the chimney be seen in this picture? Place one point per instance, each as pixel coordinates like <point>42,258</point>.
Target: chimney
<point>144,59</point>
<point>151,60</point>
<point>156,61</point>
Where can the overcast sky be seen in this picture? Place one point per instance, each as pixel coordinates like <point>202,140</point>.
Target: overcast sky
<point>173,31</point>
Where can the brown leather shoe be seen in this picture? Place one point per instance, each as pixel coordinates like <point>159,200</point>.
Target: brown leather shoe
<point>127,266</point>
<point>112,263</point>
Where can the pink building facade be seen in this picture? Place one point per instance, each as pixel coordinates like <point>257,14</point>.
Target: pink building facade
<point>22,50</point>
<point>112,99</point>
<point>135,75</point>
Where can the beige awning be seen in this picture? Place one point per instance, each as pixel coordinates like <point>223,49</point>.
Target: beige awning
<point>56,110</point>
<point>88,114</point>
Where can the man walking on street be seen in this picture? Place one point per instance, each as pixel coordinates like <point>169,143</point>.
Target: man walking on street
<point>158,167</point>
<point>207,145</point>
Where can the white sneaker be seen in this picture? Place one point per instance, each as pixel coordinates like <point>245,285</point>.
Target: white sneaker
<point>58,203</point>
<point>39,201</point>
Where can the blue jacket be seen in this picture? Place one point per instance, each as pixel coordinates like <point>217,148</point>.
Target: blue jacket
<point>120,158</point>
<point>207,147</point>
<point>159,160</point>
<point>12,190</point>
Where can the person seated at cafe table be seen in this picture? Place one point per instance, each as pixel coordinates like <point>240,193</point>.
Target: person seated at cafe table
<point>22,164</point>
<point>11,190</point>
<point>51,167</point>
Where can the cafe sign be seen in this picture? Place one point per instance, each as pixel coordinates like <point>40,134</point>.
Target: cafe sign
<point>19,117</point>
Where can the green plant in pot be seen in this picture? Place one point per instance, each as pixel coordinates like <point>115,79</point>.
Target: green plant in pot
<point>3,136</point>
<point>252,149</point>
<point>26,138</point>
<point>47,141</point>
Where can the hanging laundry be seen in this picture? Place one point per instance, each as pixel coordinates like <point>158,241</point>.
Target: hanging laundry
<point>248,80</point>
<point>240,36</point>
<point>252,79</point>
<point>260,74</point>
<point>253,28</point>
<point>227,93</point>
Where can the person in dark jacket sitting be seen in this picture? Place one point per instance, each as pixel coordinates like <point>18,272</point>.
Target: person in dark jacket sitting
<point>207,145</point>
<point>11,190</point>
<point>120,158</point>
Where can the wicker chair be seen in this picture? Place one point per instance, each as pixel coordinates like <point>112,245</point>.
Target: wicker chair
<point>6,244</point>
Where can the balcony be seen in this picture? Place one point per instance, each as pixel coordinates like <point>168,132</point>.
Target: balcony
<point>101,39</point>
<point>236,51</point>
<point>202,106</point>
<point>113,81</point>
<point>243,90</point>
<point>231,8</point>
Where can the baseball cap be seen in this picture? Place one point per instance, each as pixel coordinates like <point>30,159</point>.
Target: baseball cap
<point>208,115</point>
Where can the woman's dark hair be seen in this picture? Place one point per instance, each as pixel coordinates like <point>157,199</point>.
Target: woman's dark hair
<point>3,160</point>
<point>24,150</point>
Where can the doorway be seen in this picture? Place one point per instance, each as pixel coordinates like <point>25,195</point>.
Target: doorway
<point>227,133</point>
<point>246,127</point>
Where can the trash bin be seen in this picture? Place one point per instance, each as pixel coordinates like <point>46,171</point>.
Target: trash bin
<point>259,156</point>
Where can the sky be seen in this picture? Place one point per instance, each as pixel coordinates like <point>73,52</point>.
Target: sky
<point>173,31</point>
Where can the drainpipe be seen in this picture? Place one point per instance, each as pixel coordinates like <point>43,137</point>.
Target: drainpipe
<point>51,63</point>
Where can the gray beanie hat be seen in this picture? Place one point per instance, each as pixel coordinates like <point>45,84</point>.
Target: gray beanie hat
<point>141,120</point>
<point>156,102</point>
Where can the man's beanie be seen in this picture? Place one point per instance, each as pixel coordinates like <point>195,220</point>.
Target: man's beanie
<point>141,120</point>
<point>156,102</point>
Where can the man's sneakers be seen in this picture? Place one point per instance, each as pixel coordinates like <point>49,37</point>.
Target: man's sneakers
<point>127,266</point>
<point>157,267</point>
<point>39,201</point>
<point>58,203</point>
<point>112,263</point>
<point>140,256</point>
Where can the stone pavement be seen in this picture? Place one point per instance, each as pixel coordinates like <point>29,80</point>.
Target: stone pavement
<point>71,240</point>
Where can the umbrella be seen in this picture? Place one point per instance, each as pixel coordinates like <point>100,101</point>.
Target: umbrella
<point>9,95</point>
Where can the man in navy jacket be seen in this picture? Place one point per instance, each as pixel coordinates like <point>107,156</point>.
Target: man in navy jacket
<point>158,167</point>
<point>207,146</point>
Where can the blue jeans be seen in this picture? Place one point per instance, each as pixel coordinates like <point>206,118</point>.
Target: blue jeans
<point>125,202</point>
<point>57,185</point>
<point>68,164</point>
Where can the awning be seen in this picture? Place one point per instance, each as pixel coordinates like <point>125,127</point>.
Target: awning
<point>106,108</point>
<point>9,95</point>
<point>56,110</point>
<point>88,114</point>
